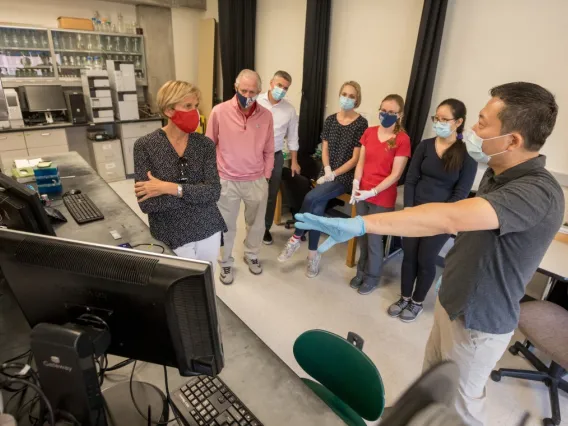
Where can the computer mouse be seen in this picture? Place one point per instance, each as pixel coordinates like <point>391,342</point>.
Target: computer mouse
<point>74,191</point>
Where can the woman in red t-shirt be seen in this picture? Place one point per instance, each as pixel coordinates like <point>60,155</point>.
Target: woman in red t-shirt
<point>384,153</point>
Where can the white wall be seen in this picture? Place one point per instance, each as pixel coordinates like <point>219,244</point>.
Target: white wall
<point>44,13</point>
<point>185,28</point>
<point>371,42</point>
<point>487,42</point>
<point>280,30</point>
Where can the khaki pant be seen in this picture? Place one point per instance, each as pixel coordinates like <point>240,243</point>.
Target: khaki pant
<point>476,354</point>
<point>254,194</point>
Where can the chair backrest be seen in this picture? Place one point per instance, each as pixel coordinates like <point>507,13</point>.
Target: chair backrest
<point>343,369</point>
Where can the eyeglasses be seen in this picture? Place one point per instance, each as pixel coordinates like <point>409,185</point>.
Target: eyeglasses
<point>183,170</point>
<point>441,119</point>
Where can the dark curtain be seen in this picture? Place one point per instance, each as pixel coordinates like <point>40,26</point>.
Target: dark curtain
<point>237,23</point>
<point>419,95</point>
<point>316,52</point>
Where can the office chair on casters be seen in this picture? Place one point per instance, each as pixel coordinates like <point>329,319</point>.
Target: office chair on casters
<point>349,382</point>
<point>544,325</point>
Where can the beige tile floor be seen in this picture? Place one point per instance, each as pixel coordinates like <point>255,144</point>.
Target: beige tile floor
<point>282,303</point>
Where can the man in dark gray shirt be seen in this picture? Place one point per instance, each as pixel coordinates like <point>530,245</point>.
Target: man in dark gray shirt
<point>503,234</point>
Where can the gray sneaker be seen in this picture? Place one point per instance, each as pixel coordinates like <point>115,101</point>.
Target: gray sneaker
<point>226,275</point>
<point>289,249</point>
<point>254,266</point>
<point>411,312</point>
<point>356,281</point>
<point>313,268</point>
<point>367,287</point>
<point>396,308</point>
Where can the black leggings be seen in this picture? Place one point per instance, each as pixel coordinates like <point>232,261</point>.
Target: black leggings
<point>419,263</point>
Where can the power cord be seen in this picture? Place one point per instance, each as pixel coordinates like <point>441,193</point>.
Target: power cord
<point>168,399</point>
<point>11,380</point>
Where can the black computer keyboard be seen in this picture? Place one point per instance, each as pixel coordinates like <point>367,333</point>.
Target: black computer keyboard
<point>206,401</point>
<point>82,208</point>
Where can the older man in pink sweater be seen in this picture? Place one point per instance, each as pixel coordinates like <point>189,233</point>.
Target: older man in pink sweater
<point>244,135</point>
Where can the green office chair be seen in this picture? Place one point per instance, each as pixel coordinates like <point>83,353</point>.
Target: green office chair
<point>349,382</point>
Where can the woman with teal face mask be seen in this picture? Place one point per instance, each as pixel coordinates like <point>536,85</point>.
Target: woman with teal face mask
<point>441,171</point>
<point>341,144</point>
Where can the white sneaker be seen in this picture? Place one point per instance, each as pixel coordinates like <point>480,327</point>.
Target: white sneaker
<point>226,275</point>
<point>313,268</point>
<point>290,248</point>
<point>254,266</point>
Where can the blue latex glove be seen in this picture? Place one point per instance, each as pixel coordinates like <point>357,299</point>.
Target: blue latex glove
<point>339,230</point>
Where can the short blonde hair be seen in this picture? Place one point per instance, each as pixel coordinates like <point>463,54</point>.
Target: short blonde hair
<point>173,92</point>
<point>357,88</point>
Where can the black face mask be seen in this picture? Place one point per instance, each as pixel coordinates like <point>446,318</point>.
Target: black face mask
<point>244,101</point>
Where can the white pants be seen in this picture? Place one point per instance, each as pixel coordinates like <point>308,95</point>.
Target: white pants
<point>254,194</point>
<point>207,249</point>
<point>476,354</point>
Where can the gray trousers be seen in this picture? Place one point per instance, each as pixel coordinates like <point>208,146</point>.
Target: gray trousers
<point>273,187</point>
<point>371,255</point>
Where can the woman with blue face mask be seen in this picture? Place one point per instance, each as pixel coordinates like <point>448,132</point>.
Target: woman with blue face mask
<point>341,144</point>
<point>441,171</point>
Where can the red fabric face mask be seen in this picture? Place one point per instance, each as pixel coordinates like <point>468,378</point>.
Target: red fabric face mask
<point>187,121</point>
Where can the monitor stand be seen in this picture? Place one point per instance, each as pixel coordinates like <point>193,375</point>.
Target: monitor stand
<point>120,409</point>
<point>48,118</point>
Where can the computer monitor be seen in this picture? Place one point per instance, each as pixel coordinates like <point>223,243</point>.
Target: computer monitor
<point>44,98</point>
<point>21,208</point>
<point>160,309</point>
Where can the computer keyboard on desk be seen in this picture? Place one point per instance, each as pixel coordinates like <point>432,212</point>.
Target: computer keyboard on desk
<point>82,208</point>
<point>207,401</point>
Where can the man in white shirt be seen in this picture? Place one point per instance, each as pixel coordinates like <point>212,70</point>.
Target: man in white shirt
<point>285,127</point>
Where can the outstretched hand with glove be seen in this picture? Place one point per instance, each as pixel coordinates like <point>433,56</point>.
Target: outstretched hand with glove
<point>339,230</point>
<point>361,195</point>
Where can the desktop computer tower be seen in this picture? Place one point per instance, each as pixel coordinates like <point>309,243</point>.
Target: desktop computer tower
<point>76,109</point>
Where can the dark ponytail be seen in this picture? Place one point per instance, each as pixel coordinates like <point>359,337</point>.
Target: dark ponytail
<point>455,155</point>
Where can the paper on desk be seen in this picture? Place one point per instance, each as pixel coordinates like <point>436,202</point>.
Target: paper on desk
<point>21,164</point>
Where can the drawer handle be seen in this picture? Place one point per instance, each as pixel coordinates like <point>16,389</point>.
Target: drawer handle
<point>46,134</point>
<point>4,138</point>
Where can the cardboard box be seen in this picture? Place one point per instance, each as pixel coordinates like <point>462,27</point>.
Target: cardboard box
<point>75,23</point>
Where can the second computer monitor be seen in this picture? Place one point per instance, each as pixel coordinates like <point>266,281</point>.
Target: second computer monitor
<point>44,98</point>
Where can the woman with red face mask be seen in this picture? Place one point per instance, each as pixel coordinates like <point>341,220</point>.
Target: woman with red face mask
<point>177,183</point>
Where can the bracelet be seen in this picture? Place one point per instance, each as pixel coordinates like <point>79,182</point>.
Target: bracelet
<point>179,191</point>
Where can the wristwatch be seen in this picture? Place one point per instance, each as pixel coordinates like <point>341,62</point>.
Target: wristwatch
<point>180,191</point>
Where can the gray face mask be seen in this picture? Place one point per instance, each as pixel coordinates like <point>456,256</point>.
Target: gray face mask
<point>474,145</point>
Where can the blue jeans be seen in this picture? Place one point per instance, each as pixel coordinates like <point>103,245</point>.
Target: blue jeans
<point>315,202</point>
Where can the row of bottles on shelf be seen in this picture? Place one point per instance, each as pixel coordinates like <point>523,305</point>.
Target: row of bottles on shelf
<point>68,60</point>
<point>49,72</point>
<point>95,42</point>
<point>105,25</point>
<point>22,38</point>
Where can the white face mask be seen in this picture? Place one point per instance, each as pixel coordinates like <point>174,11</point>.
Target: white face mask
<point>474,145</point>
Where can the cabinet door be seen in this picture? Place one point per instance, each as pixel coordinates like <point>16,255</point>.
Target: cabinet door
<point>45,138</point>
<point>128,153</point>
<point>12,141</point>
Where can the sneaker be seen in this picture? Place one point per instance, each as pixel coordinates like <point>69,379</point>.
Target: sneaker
<point>411,312</point>
<point>356,281</point>
<point>226,275</point>
<point>313,268</point>
<point>267,238</point>
<point>254,266</point>
<point>291,247</point>
<point>396,308</point>
<point>367,288</point>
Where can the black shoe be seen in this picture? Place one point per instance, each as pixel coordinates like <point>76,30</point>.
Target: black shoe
<point>356,281</point>
<point>367,288</point>
<point>267,238</point>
